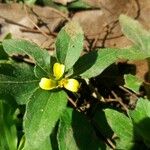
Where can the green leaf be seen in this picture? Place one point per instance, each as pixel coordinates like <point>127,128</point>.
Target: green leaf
<point>40,56</point>
<point>69,44</point>
<point>21,143</point>
<point>123,128</point>
<point>43,110</point>
<point>109,121</point>
<point>53,137</point>
<point>132,83</point>
<point>76,133</point>
<point>29,2</point>
<point>3,54</point>
<point>39,73</point>
<point>101,124</point>
<point>141,119</point>
<point>136,33</point>
<point>8,36</point>
<point>8,133</point>
<point>132,53</point>
<point>82,66</point>
<point>101,59</point>
<point>52,4</point>
<point>46,145</point>
<point>17,80</point>
<point>141,111</point>
<point>80,4</point>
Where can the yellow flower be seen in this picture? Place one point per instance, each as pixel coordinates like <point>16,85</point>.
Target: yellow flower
<point>70,84</point>
<point>58,71</point>
<point>47,84</point>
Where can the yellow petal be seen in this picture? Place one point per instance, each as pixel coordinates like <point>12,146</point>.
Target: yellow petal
<point>58,70</point>
<point>47,84</point>
<point>71,85</point>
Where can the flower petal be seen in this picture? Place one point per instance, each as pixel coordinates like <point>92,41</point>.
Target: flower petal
<point>47,84</point>
<point>72,85</point>
<point>58,70</point>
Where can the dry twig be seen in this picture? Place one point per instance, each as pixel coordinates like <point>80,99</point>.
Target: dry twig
<point>118,99</point>
<point>72,102</point>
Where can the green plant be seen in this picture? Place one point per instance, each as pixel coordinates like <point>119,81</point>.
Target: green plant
<point>39,91</point>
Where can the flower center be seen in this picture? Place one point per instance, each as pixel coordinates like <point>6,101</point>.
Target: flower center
<point>62,82</point>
